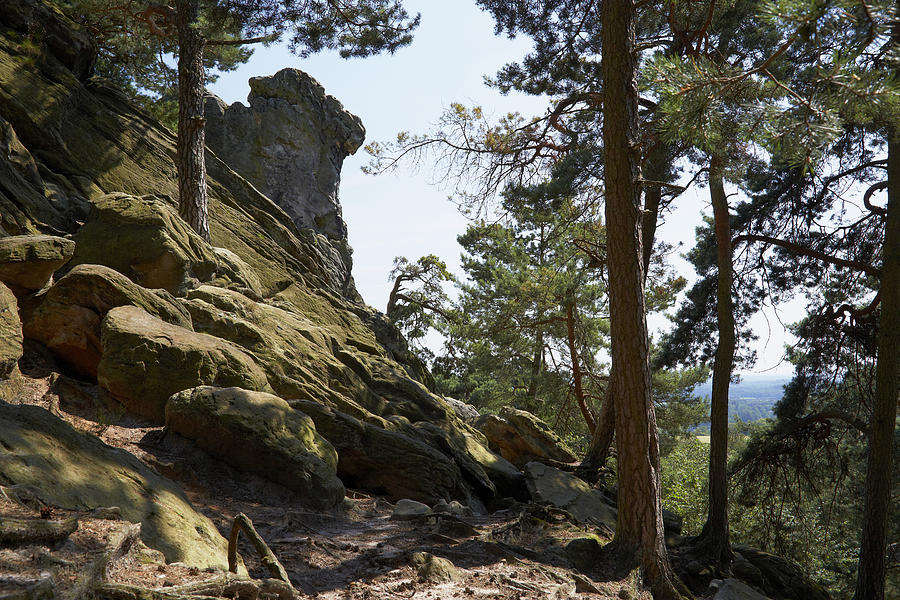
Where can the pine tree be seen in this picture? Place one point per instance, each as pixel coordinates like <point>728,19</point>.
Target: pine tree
<point>355,27</point>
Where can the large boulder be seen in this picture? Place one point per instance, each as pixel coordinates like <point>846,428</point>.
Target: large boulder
<point>10,332</point>
<point>310,351</point>
<point>27,262</point>
<point>568,492</point>
<point>290,143</point>
<point>68,318</point>
<point>521,437</point>
<point>374,458</point>
<point>259,433</point>
<point>146,240</point>
<point>78,139</point>
<point>733,589</point>
<point>77,471</point>
<point>779,577</point>
<point>146,360</point>
<point>490,474</point>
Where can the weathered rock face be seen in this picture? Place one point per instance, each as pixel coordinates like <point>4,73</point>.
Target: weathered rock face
<point>521,437</point>
<point>777,576</point>
<point>259,433</point>
<point>277,306</point>
<point>77,471</point>
<point>27,262</point>
<point>10,332</point>
<point>146,360</point>
<point>68,318</point>
<point>144,239</point>
<point>290,143</point>
<point>71,45</point>
<point>466,412</point>
<point>570,493</point>
<point>384,461</point>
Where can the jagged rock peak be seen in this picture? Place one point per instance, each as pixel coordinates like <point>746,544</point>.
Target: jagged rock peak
<point>290,143</point>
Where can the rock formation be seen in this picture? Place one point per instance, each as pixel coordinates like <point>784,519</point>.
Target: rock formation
<point>152,313</point>
<point>290,143</point>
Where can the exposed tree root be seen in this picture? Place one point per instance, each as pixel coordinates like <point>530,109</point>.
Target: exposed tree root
<point>242,522</point>
<point>226,586</point>
<point>118,546</point>
<point>35,531</point>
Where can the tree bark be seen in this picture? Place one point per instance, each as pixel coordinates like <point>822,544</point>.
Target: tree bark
<point>639,527</point>
<point>871,574</point>
<point>657,167</point>
<point>190,161</point>
<point>714,538</point>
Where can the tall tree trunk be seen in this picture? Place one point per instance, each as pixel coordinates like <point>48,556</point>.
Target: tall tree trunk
<point>657,168</point>
<point>872,546</point>
<point>190,161</point>
<point>576,366</point>
<point>657,164</point>
<point>639,527</point>
<point>713,540</point>
<point>537,367</point>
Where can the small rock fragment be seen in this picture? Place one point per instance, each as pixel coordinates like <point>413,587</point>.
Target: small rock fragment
<point>433,568</point>
<point>408,510</point>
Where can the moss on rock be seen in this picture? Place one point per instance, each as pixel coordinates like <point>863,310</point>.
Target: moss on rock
<point>259,433</point>
<point>146,360</point>
<point>27,262</point>
<point>10,332</point>
<point>77,471</point>
<point>67,320</point>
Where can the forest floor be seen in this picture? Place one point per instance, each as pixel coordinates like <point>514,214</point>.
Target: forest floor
<point>354,552</point>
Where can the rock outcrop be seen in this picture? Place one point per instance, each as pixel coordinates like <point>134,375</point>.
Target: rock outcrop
<point>389,462</point>
<point>267,307</point>
<point>10,332</point>
<point>290,143</point>
<point>76,470</point>
<point>570,493</point>
<point>67,319</point>
<point>521,437</point>
<point>259,433</point>
<point>146,360</point>
<point>144,239</point>
<point>27,262</point>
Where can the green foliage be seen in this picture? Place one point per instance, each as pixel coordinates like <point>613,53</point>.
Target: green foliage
<point>418,301</point>
<point>798,488</point>
<point>685,487</point>
<point>143,63</point>
<point>511,346</point>
<point>678,408</point>
<point>139,48</point>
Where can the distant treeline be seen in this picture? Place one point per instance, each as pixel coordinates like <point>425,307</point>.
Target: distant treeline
<point>750,400</point>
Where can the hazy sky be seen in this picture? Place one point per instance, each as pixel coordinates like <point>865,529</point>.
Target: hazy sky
<point>403,213</point>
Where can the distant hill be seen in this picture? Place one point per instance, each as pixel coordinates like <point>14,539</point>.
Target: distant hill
<point>751,399</point>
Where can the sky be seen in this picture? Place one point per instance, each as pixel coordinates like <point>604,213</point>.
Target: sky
<point>406,212</point>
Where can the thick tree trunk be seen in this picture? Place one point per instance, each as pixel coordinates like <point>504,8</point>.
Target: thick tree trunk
<point>190,161</point>
<point>576,367</point>
<point>713,539</point>
<point>604,432</point>
<point>870,580</point>
<point>639,527</point>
